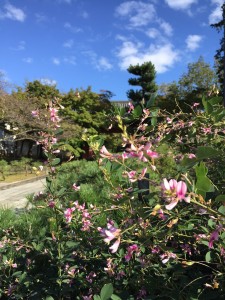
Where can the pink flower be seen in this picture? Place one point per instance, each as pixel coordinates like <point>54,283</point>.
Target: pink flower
<point>174,192</point>
<point>68,214</point>
<point>105,153</point>
<point>130,250</point>
<point>75,187</point>
<point>131,107</point>
<point>191,155</point>
<point>35,113</point>
<point>152,154</point>
<point>132,176</point>
<point>53,114</point>
<point>166,256</point>
<point>115,246</point>
<point>214,236</point>
<point>110,234</point>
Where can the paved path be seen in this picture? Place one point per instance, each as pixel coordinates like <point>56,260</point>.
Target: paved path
<point>15,196</point>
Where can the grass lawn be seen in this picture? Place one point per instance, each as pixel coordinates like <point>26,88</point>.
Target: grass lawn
<point>19,176</point>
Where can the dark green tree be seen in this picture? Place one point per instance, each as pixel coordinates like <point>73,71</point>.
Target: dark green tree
<point>145,78</point>
<point>219,56</point>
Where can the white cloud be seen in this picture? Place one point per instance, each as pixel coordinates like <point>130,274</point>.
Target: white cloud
<point>99,63</point>
<point>28,60</point>
<point>21,46</point>
<point>104,64</point>
<point>48,81</point>
<point>73,29</point>
<point>216,14</point>
<point>152,33</point>
<point>193,41</point>
<point>180,4</point>
<point>68,43</point>
<point>40,18</point>
<point>13,13</point>
<point>84,15</point>
<point>166,27</point>
<point>56,61</point>
<point>138,12</point>
<point>70,60</point>
<point>162,56</point>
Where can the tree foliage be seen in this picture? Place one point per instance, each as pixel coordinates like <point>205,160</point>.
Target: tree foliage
<point>145,78</point>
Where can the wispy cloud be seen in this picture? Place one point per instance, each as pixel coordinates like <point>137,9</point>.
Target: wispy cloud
<point>139,13</point>
<point>99,63</point>
<point>72,28</point>
<point>48,81</point>
<point>70,60</point>
<point>65,1</point>
<point>193,42</point>
<point>20,47</point>
<point>68,43</point>
<point>166,27</point>
<point>13,13</point>
<point>56,61</point>
<point>180,4</point>
<point>216,14</point>
<point>162,56</point>
<point>40,18</point>
<point>28,60</point>
<point>85,15</point>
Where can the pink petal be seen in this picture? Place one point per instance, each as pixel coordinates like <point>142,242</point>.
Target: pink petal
<point>115,246</point>
<point>171,205</point>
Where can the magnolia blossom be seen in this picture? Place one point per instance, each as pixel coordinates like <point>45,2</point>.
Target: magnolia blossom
<point>53,114</point>
<point>191,155</point>
<point>174,192</point>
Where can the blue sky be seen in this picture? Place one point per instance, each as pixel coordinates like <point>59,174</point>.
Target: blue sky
<point>81,43</point>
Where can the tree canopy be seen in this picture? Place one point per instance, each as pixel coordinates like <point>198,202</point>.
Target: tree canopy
<point>145,78</point>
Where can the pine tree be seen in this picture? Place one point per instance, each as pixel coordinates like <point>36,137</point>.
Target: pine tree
<point>219,56</point>
<point>145,79</point>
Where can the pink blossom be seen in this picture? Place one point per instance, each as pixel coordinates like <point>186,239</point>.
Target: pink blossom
<point>68,214</point>
<point>131,107</point>
<point>196,104</point>
<point>75,187</point>
<point>214,236</point>
<point>115,246</point>
<point>35,113</point>
<point>191,155</point>
<point>132,176</point>
<point>174,192</point>
<point>110,234</point>
<point>53,114</point>
<point>166,256</point>
<point>130,250</point>
<point>152,154</point>
<point>105,153</point>
<point>207,130</point>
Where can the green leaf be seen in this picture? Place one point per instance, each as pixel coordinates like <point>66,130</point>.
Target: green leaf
<point>49,298</point>
<point>106,291</point>
<point>222,209</point>
<point>204,152</point>
<point>208,256</point>
<point>55,161</point>
<point>96,297</point>
<point>220,198</point>
<point>115,297</point>
<point>137,112</point>
<point>203,183</point>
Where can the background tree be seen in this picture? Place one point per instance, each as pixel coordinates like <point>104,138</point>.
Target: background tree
<point>219,56</point>
<point>199,79</point>
<point>145,78</point>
